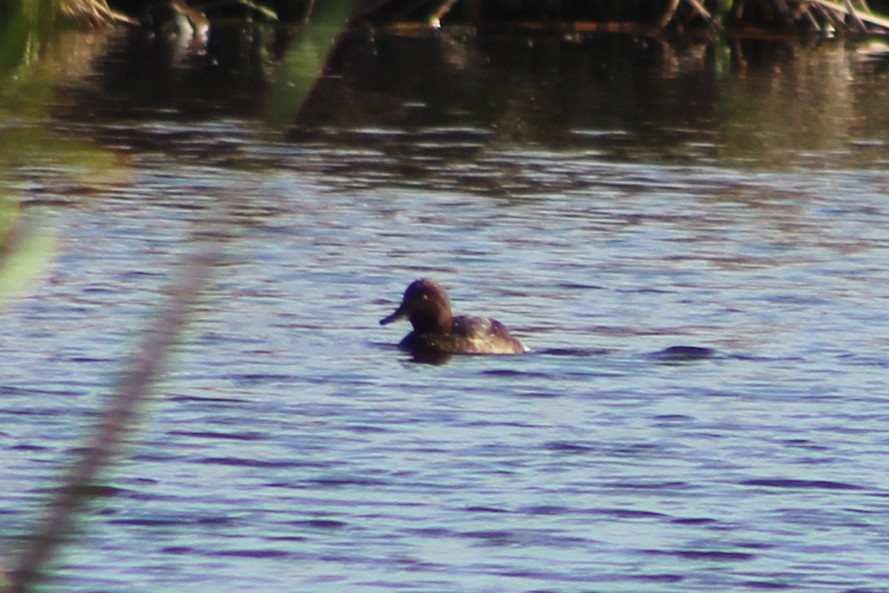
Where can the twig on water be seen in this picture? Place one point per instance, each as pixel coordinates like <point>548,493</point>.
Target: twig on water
<point>702,11</point>
<point>866,18</point>
<point>440,11</point>
<point>853,15</point>
<point>668,14</point>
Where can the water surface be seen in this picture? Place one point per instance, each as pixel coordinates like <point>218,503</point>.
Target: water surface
<point>606,198</point>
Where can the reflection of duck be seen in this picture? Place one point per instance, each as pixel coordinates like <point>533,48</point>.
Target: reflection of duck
<point>437,331</point>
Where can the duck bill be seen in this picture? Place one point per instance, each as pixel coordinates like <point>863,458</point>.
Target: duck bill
<point>399,314</point>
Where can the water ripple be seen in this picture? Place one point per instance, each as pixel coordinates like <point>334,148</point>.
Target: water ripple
<point>702,286</point>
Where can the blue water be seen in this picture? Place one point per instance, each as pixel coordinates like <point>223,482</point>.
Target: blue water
<point>292,447</point>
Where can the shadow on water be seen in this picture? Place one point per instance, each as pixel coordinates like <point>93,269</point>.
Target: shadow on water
<point>580,352</point>
<point>670,355</point>
<point>679,354</point>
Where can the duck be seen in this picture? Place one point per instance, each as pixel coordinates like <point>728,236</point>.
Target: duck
<point>437,331</point>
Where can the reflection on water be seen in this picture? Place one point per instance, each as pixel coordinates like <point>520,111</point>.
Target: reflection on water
<point>689,238</point>
<point>444,110</point>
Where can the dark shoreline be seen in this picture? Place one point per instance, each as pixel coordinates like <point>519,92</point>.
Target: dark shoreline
<point>679,16</point>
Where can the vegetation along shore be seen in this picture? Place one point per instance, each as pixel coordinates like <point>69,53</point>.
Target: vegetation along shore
<point>827,17</point>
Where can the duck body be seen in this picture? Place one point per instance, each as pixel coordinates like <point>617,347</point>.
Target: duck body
<point>468,335</point>
<point>437,331</point>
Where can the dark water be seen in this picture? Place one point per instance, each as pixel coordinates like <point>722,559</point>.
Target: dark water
<point>611,200</point>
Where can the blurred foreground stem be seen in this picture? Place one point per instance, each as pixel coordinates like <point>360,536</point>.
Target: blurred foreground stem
<point>135,384</point>
<point>303,64</point>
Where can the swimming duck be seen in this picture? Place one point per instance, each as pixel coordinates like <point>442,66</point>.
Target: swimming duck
<point>437,331</point>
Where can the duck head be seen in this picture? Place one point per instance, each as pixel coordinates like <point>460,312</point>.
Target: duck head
<point>426,305</point>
